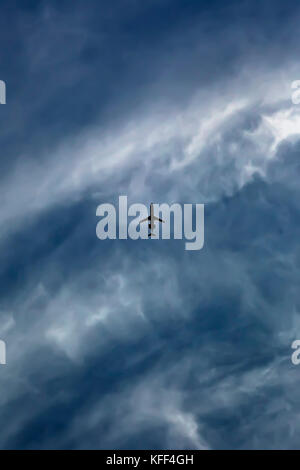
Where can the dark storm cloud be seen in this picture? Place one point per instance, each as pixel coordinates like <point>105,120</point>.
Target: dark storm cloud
<point>67,65</point>
<point>205,349</point>
<point>123,344</point>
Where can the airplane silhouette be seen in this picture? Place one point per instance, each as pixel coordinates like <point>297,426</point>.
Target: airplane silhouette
<point>151,219</point>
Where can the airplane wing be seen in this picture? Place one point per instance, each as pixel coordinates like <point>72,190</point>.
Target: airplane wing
<point>144,220</point>
<point>157,218</point>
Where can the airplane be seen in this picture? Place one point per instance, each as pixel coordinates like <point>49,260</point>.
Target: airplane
<point>151,219</point>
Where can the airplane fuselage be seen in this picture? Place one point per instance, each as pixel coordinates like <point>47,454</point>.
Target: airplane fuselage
<point>151,222</point>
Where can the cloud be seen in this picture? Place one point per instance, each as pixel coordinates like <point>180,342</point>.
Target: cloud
<point>123,344</point>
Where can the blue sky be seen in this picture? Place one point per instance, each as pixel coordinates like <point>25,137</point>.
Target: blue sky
<point>133,344</point>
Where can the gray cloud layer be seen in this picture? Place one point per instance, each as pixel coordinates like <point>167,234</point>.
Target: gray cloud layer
<point>141,344</point>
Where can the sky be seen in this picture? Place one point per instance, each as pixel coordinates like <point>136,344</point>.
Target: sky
<point>123,344</point>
